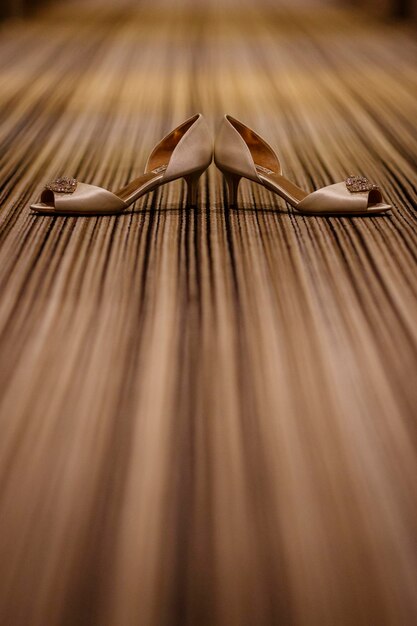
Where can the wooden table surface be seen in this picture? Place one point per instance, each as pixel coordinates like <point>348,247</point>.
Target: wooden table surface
<point>208,415</point>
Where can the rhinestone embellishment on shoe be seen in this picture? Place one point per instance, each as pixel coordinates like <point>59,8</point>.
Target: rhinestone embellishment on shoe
<point>62,185</point>
<point>359,183</point>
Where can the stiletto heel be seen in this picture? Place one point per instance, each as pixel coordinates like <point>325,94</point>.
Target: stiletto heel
<point>186,152</point>
<point>240,152</point>
<point>232,182</point>
<point>192,181</point>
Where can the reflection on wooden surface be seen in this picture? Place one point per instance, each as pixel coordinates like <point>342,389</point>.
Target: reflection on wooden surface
<point>207,415</point>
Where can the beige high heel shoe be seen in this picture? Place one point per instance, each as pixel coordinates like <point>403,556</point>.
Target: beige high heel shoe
<point>186,152</point>
<point>240,153</point>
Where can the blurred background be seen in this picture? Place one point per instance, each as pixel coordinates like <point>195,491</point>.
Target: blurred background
<point>389,8</point>
<point>208,415</point>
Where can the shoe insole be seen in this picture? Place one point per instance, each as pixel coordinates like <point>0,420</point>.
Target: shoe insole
<point>285,187</point>
<point>145,181</point>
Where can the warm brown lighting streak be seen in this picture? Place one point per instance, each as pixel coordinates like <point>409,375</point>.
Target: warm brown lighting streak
<point>207,416</point>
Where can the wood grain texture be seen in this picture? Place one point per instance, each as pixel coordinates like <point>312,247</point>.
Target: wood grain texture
<point>208,416</point>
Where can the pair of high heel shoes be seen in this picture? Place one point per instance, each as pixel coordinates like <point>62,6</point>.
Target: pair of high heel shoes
<point>187,152</point>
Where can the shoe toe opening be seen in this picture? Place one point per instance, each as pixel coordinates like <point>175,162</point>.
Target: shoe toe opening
<point>46,203</point>
<point>47,198</point>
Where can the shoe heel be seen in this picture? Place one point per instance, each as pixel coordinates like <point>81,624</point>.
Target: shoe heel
<point>192,181</point>
<point>232,182</point>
